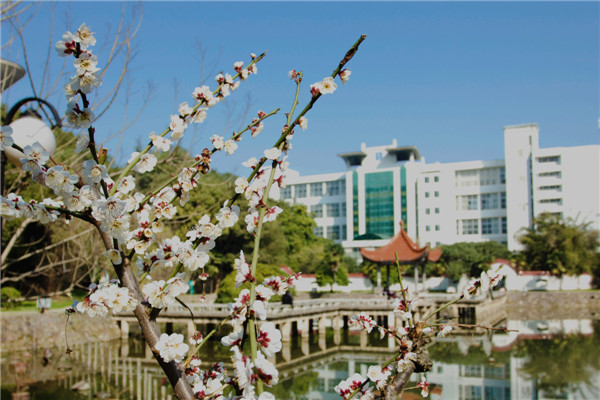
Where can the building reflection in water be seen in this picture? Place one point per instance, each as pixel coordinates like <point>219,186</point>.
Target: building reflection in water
<point>551,359</point>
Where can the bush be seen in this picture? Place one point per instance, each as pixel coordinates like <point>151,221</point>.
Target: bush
<point>10,296</point>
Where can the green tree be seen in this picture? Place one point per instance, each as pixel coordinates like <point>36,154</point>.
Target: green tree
<point>467,258</point>
<point>332,267</point>
<point>561,246</point>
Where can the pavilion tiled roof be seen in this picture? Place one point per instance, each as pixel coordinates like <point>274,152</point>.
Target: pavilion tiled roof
<point>408,251</point>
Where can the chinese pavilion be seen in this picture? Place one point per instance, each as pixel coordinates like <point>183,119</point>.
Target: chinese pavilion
<point>408,253</point>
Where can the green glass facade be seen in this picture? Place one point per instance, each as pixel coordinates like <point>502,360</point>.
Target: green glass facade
<point>355,202</point>
<point>379,203</point>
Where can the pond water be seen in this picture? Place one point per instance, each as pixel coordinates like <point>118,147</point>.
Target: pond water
<point>546,359</point>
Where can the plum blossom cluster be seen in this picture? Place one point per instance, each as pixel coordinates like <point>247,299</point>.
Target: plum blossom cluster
<point>86,78</point>
<point>487,281</point>
<point>132,224</point>
<point>104,298</point>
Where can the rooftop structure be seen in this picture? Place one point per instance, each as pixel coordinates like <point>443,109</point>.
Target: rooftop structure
<point>445,203</point>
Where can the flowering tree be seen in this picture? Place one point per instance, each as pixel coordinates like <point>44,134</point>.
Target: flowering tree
<point>130,223</point>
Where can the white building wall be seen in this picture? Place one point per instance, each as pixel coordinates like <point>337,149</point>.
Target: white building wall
<point>520,142</point>
<point>529,181</point>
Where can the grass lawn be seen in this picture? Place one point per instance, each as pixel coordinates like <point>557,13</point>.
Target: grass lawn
<point>31,305</point>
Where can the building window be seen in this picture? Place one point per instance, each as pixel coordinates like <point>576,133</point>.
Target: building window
<point>333,232</point>
<point>300,191</point>
<point>470,226</point>
<point>426,179</point>
<point>436,178</point>
<point>437,210</point>
<point>469,202</point>
<point>490,176</point>
<point>333,188</point>
<point>437,227</point>
<point>549,159</point>
<point>503,224</point>
<point>333,210</point>
<point>318,231</point>
<point>317,209</point>
<point>427,211</point>
<point>286,192</point>
<point>490,226</point>
<point>502,175</point>
<point>436,194</point>
<point>467,178</point>
<point>551,201</point>
<point>555,174</point>
<point>427,228</point>
<point>557,188</point>
<point>343,209</point>
<point>426,194</point>
<point>344,229</point>
<point>503,200</point>
<point>316,189</point>
<point>489,201</point>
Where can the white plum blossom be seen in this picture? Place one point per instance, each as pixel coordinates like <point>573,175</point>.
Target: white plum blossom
<point>234,338</point>
<point>177,126</point>
<point>162,294</point>
<point>230,147</point>
<point>77,118</point>
<point>66,46</point>
<point>191,258</point>
<point>242,270</point>
<point>35,157</point>
<point>228,216</point>
<point>445,330</point>
<point>266,370</point>
<point>84,36</point>
<point>217,141</point>
<point>86,62</point>
<point>85,82</point>
<point>374,373</point>
<point>203,93</point>
<point>83,141</point>
<point>328,85</point>
<point>146,163</point>
<point>269,338</point>
<point>126,185</point>
<point>240,185</point>
<point>345,75</point>
<point>114,256</point>
<point>93,172</point>
<point>363,321</point>
<point>251,163</point>
<point>171,347</point>
<point>303,122</point>
<point>60,181</point>
<point>160,143</point>
<point>273,153</point>
<point>6,139</point>
<point>184,109</point>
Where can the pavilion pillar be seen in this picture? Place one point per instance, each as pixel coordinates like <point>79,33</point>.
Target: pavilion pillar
<point>378,278</point>
<point>424,279</point>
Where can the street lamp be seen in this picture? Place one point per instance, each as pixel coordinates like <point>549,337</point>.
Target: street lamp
<point>28,127</point>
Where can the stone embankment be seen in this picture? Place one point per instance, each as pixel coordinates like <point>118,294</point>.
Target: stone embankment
<point>553,305</point>
<point>26,329</point>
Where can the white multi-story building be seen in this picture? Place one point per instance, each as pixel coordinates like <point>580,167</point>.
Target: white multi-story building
<point>445,203</point>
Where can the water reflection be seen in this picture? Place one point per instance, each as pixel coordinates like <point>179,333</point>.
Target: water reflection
<point>545,360</point>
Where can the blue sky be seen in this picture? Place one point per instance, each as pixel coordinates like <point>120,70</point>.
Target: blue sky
<point>445,77</point>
